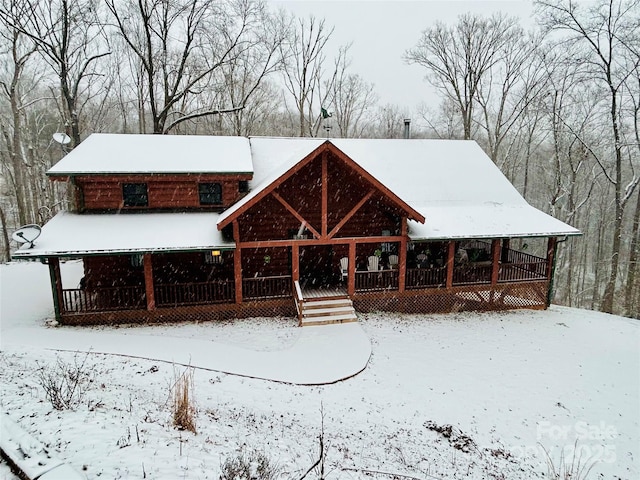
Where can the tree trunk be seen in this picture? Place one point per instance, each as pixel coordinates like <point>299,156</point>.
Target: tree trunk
<point>6,253</point>
<point>631,304</point>
<point>610,289</point>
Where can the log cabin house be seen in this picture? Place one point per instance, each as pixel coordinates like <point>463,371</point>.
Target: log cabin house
<point>204,227</point>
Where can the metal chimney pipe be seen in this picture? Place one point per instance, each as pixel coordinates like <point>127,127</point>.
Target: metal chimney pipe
<point>407,128</point>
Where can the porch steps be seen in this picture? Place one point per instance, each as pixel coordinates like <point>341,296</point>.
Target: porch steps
<point>328,311</point>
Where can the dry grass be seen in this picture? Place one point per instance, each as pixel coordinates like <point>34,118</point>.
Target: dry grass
<point>183,405</point>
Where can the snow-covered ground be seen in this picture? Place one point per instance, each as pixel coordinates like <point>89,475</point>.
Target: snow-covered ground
<point>513,383</point>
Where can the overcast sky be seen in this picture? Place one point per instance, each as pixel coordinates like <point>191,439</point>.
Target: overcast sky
<point>381,31</point>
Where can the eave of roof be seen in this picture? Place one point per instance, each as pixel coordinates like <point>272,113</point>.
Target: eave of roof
<point>70,234</point>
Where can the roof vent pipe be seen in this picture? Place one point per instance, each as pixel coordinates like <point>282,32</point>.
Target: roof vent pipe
<point>407,128</point>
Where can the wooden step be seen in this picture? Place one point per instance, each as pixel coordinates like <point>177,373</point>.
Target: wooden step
<point>329,319</point>
<point>321,312</point>
<point>343,302</point>
<point>328,311</point>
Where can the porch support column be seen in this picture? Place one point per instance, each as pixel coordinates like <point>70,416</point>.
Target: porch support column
<point>295,262</point>
<point>56,286</point>
<point>402,257</point>
<point>451,253</point>
<point>551,266</point>
<point>148,281</point>
<point>237,263</point>
<point>351,279</point>
<point>551,253</point>
<point>506,245</point>
<point>495,261</point>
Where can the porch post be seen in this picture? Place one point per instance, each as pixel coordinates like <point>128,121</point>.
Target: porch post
<point>495,261</point>
<point>295,262</point>
<point>402,257</point>
<point>551,266</point>
<point>237,262</point>
<point>451,253</point>
<point>506,245</point>
<point>56,286</point>
<point>148,281</point>
<point>551,253</point>
<point>351,279</point>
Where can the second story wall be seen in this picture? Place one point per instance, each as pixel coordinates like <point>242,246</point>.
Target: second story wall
<point>165,192</point>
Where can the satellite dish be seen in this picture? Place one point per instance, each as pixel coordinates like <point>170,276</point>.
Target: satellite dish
<point>62,138</point>
<point>27,234</point>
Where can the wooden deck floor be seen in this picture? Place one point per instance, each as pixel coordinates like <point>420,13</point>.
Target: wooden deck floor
<point>324,292</point>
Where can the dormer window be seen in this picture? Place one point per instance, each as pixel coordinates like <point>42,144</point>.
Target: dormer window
<point>210,193</point>
<point>135,194</point>
<point>243,186</point>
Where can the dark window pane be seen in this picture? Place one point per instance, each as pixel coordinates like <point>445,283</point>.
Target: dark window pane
<point>243,186</point>
<point>135,194</point>
<point>210,193</point>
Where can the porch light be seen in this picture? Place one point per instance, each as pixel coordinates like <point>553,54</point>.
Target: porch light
<point>213,257</point>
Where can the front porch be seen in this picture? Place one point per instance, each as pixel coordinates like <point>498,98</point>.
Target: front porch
<point>153,287</point>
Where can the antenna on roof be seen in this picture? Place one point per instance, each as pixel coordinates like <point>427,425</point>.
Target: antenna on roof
<point>27,234</point>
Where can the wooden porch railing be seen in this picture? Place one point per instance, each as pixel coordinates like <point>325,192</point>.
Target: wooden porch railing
<point>266,287</point>
<point>426,277</point>
<point>297,295</point>
<point>177,294</point>
<point>75,300</point>
<point>472,273</point>
<point>522,267</point>
<point>377,280</point>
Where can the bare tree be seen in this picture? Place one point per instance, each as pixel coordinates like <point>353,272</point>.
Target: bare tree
<point>242,81</point>
<point>601,32</point>
<point>12,130</point>
<point>306,76</point>
<point>181,46</point>
<point>458,58</point>
<point>353,99</point>
<point>69,36</point>
<point>388,122</point>
<point>508,89</point>
<point>632,288</point>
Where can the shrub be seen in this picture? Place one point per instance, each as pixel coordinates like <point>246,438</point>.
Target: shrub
<point>254,465</point>
<point>65,383</point>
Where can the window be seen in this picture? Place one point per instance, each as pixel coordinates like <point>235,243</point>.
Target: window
<point>243,186</point>
<point>210,193</point>
<point>135,194</point>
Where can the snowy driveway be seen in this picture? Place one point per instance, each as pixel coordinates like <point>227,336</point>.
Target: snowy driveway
<point>318,355</point>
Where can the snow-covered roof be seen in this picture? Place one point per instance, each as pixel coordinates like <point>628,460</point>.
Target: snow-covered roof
<point>69,234</point>
<point>452,183</point>
<point>272,158</point>
<point>126,154</point>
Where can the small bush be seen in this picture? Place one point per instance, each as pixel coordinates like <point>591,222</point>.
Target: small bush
<point>248,466</point>
<point>65,383</point>
<point>184,410</point>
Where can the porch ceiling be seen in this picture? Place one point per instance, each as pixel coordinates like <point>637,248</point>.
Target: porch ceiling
<point>71,234</point>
